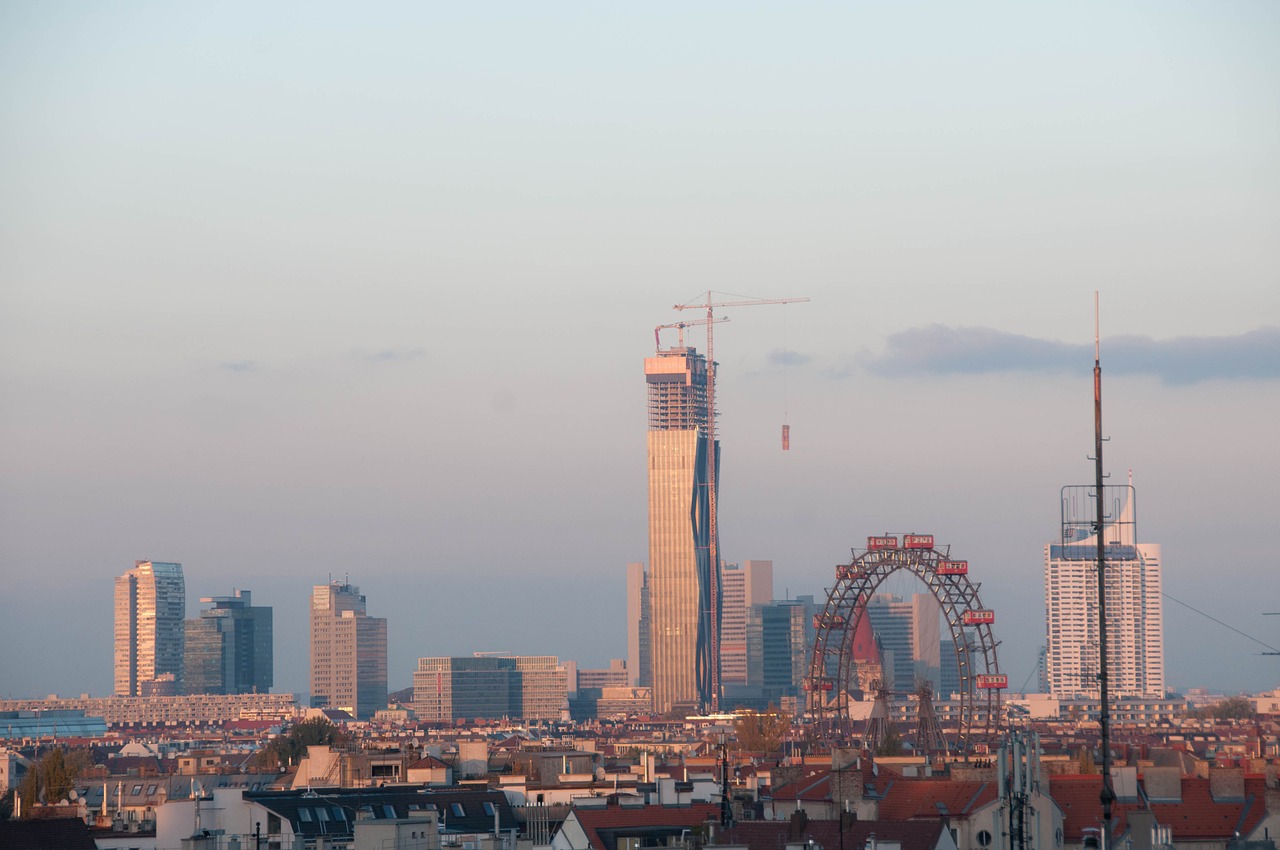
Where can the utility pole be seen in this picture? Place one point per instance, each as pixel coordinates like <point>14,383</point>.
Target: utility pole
<point>713,698</point>
<point>726,808</point>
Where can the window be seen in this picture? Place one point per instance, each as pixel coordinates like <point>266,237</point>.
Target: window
<point>151,790</point>
<point>304,815</point>
<point>388,810</point>
<point>137,789</point>
<point>322,813</point>
<point>338,813</point>
<point>458,810</point>
<point>488,808</point>
<point>984,838</point>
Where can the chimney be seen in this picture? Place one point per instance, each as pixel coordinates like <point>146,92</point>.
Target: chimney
<point>1141,823</point>
<point>846,778</point>
<point>1226,784</point>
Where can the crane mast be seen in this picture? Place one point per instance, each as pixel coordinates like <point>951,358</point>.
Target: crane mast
<point>714,544</point>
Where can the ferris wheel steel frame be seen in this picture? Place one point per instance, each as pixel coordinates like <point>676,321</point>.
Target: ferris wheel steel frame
<point>831,678</point>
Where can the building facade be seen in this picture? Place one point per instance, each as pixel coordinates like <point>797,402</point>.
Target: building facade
<point>638,626</point>
<point>348,652</point>
<point>1135,609</point>
<point>742,586</point>
<point>779,635</point>
<point>682,609</point>
<point>908,632</point>
<point>490,687</point>
<point>150,606</point>
<point>194,710</point>
<point>229,647</point>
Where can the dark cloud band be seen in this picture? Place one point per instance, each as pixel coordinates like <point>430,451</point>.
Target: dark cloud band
<point>943,350</point>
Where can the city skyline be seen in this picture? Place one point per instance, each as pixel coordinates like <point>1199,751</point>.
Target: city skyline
<point>283,301</point>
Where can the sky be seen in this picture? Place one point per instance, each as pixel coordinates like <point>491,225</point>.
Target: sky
<point>298,291</point>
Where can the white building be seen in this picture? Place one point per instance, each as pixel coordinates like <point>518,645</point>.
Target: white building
<point>1135,636</point>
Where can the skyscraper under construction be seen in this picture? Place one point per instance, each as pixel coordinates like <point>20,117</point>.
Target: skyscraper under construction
<point>681,587</point>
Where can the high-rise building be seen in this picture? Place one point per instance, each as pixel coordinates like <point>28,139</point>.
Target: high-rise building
<point>616,675</point>
<point>1135,611</point>
<point>779,634</point>
<point>742,586</point>
<point>543,684</point>
<point>639,672</point>
<point>150,605</point>
<point>489,687</point>
<point>683,605</point>
<point>348,652</point>
<point>909,636</point>
<point>229,647</point>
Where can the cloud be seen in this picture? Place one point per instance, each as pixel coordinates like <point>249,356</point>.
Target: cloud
<point>783,357</point>
<point>392,355</point>
<point>943,350</point>
<point>240,366</point>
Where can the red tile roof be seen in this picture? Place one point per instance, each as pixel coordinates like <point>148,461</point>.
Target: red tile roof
<point>616,817</point>
<point>911,799</point>
<point>1079,799</point>
<point>815,786</point>
<point>1196,816</point>
<point>1200,816</point>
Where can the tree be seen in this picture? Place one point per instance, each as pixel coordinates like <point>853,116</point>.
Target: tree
<point>891,744</point>
<point>1231,708</point>
<point>52,777</point>
<point>760,733</point>
<point>284,751</point>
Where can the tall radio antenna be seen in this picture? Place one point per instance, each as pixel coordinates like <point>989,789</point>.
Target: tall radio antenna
<point>1108,794</point>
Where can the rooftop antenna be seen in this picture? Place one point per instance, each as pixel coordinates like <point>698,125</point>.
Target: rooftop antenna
<point>1108,794</point>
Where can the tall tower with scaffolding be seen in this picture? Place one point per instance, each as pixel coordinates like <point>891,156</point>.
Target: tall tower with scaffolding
<point>679,581</point>
<point>684,540</point>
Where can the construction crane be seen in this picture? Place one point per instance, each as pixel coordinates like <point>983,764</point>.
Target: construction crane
<point>680,326</point>
<point>711,306</point>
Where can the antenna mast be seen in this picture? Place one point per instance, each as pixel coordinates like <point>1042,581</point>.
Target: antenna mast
<point>1108,794</point>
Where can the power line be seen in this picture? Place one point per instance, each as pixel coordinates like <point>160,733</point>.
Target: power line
<point>1219,622</point>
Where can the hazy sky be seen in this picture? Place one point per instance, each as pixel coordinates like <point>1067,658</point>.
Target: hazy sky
<point>298,290</point>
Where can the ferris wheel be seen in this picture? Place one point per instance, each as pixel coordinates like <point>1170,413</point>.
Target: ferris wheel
<point>834,679</point>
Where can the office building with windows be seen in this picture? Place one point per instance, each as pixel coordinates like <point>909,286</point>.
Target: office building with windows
<point>348,652</point>
<point>683,606</point>
<point>1135,610</point>
<point>229,647</point>
<point>150,606</point>
<point>490,687</point>
<point>779,635</point>
<point>908,632</point>
<point>742,587</point>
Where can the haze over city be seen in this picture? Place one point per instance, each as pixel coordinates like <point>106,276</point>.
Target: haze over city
<point>317,292</point>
